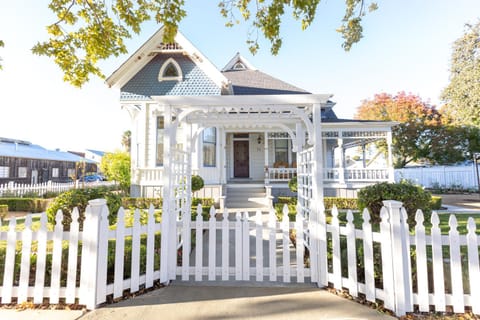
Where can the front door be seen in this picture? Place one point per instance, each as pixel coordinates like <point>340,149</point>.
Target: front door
<point>241,159</point>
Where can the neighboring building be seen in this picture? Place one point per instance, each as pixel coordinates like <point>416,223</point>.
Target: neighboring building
<point>94,155</point>
<point>238,125</point>
<point>24,162</point>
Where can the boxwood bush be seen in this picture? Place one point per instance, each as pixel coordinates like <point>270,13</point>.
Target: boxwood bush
<point>31,205</point>
<point>79,198</point>
<point>412,196</point>
<point>3,211</point>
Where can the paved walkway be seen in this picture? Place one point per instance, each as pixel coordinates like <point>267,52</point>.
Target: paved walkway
<point>210,302</point>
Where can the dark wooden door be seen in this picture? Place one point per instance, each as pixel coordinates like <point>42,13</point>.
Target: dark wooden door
<point>240,159</point>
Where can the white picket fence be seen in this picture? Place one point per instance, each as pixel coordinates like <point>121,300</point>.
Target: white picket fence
<point>437,279</point>
<point>20,189</point>
<point>464,177</point>
<point>262,250</point>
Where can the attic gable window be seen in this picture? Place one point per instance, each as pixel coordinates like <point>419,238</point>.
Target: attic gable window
<point>239,66</point>
<point>170,71</point>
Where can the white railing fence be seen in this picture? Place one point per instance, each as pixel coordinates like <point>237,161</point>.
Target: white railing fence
<point>424,270</point>
<point>12,189</point>
<point>458,177</point>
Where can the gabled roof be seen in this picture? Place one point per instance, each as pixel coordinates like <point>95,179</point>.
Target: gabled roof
<point>24,149</point>
<point>246,79</point>
<point>97,152</point>
<point>154,46</point>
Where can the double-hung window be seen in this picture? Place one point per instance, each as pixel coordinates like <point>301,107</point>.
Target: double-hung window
<point>209,147</point>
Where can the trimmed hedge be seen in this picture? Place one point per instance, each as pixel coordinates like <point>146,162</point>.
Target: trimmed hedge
<point>32,205</point>
<point>436,203</point>
<point>144,203</point>
<point>328,202</point>
<point>3,211</point>
<point>291,202</point>
<point>79,198</point>
<point>412,196</point>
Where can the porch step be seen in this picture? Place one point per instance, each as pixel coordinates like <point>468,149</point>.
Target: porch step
<point>253,197</point>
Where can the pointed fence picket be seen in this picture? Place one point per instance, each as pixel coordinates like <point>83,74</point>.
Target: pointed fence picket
<point>270,258</point>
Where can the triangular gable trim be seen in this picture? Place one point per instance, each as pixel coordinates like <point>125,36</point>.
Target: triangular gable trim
<point>143,55</point>
<point>236,59</point>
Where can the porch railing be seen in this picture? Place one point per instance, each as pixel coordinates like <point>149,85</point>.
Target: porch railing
<point>280,174</point>
<point>150,175</point>
<point>331,174</point>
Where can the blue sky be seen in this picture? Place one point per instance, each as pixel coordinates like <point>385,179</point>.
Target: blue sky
<point>406,46</point>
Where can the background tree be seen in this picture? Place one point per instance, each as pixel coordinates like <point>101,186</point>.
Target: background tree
<point>127,140</point>
<point>412,136</point>
<point>88,31</point>
<point>1,45</point>
<point>462,95</point>
<point>116,166</point>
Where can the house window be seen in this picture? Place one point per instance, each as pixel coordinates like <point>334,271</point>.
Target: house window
<point>71,173</point>
<point>281,151</point>
<point>4,172</point>
<point>209,147</point>
<point>239,66</point>
<point>160,130</point>
<point>170,71</point>
<point>54,172</point>
<point>22,172</point>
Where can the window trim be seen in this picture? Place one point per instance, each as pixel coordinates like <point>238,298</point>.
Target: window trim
<point>24,171</point>
<point>4,172</point>
<point>214,143</point>
<point>169,61</point>
<point>55,172</point>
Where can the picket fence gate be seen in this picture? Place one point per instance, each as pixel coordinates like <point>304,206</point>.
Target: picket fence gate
<point>445,272</point>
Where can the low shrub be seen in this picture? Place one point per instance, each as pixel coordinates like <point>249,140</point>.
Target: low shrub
<point>32,205</point>
<point>141,203</point>
<point>197,183</point>
<point>79,198</point>
<point>412,196</point>
<point>436,203</point>
<point>293,184</point>
<point>3,211</point>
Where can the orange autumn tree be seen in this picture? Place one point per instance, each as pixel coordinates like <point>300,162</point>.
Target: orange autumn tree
<point>418,121</point>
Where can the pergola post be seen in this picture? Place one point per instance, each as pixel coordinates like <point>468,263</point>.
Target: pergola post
<point>167,186</point>
<point>319,241</point>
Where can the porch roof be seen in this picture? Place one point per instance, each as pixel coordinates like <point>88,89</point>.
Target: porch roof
<point>273,100</point>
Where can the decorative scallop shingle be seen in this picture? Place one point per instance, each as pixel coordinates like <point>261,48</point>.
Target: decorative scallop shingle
<point>145,83</point>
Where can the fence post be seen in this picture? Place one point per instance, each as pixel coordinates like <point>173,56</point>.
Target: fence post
<point>93,264</point>
<point>399,233</point>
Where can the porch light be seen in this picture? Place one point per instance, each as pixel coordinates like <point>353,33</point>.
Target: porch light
<point>259,140</point>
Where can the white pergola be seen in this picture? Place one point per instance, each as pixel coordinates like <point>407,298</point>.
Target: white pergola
<point>296,114</point>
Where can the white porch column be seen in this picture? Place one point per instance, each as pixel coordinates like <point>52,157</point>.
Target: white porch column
<point>341,164</point>
<point>222,161</point>
<point>391,172</point>
<point>364,155</point>
<point>265,148</point>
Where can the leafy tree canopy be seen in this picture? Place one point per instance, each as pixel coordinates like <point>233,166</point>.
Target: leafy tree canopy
<point>415,117</point>
<point>462,95</point>
<point>88,31</point>
<point>423,133</point>
<point>116,166</point>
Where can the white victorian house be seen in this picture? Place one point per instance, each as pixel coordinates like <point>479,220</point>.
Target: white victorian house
<point>235,127</point>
